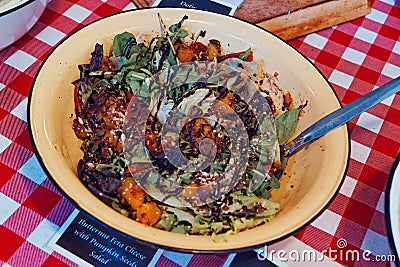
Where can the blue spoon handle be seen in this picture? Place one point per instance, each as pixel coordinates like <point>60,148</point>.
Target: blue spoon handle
<point>342,115</point>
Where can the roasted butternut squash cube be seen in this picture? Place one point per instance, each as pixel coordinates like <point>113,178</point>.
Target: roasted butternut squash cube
<point>214,49</point>
<point>184,53</point>
<point>132,193</point>
<point>148,213</point>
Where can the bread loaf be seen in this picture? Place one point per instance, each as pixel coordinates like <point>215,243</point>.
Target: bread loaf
<point>256,11</point>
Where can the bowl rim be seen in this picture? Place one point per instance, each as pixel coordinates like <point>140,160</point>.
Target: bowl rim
<point>178,249</point>
<point>395,167</point>
<point>15,7</point>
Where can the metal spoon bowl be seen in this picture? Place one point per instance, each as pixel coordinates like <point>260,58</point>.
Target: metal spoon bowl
<point>341,116</point>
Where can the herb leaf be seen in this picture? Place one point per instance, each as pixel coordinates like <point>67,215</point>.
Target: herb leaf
<point>245,54</point>
<point>117,166</point>
<point>175,27</point>
<point>121,42</point>
<point>286,124</point>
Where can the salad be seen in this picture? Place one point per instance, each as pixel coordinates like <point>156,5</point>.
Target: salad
<point>180,135</point>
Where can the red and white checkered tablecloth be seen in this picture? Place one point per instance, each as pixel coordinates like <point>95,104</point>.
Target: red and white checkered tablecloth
<point>356,57</point>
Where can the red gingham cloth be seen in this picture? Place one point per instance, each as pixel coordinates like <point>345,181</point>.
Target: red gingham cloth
<point>356,57</point>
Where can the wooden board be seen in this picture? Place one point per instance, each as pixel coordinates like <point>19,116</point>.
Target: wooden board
<point>316,17</point>
<point>290,19</point>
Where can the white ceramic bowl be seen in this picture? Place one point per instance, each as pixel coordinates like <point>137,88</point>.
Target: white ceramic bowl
<point>17,17</point>
<point>313,175</point>
<point>392,209</point>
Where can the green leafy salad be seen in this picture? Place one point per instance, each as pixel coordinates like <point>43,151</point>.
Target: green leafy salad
<point>201,137</point>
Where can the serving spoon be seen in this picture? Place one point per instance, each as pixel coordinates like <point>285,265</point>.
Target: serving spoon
<point>341,116</point>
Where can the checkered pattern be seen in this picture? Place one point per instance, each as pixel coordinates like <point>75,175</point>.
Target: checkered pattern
<point>356,57</point>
